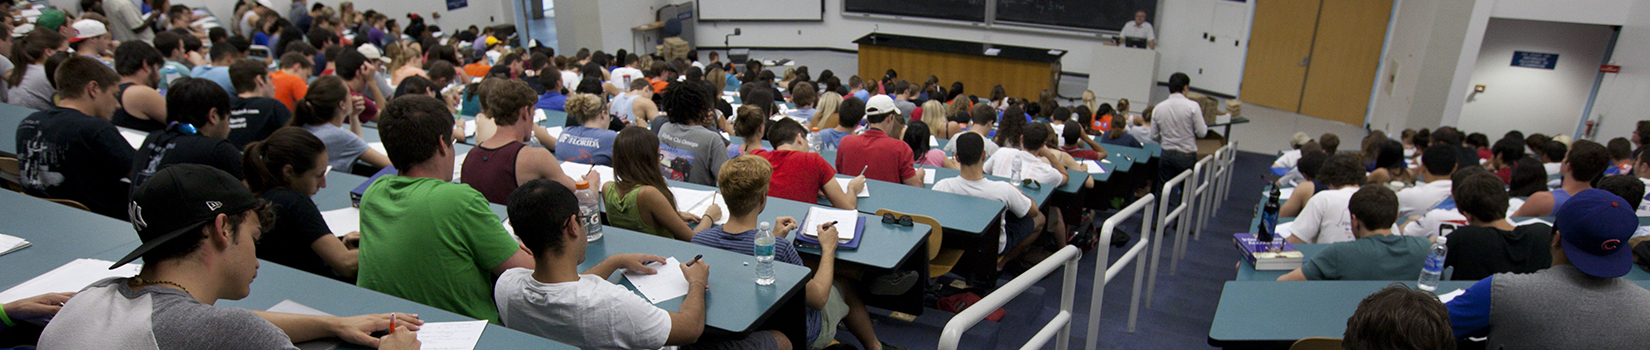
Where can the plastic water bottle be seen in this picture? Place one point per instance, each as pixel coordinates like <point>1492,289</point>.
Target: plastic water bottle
<point>1269,218</point>
<point>1433,269</point>
<point>1014,174</point>
<point>764,254</point>
<point>815,141</point>
<point>590,210</point>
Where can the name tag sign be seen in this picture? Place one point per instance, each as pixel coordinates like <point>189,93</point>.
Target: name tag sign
<point>1534,60</point>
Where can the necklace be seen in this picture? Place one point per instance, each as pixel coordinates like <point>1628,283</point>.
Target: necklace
<point>139,281</point>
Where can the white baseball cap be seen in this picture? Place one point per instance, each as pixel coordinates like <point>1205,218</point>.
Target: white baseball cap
<point>372,53</point>
<point>88,29</point>
<point>880,104</point>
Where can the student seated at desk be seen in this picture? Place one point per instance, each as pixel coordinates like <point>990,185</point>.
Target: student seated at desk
<point>28,86</point>
<point>1288,158</point>
<point>254,113</point>
<point>324,111</point>
<point>142,108</point>
<point>287,169</point>
<point>1023,220</point>
<point>1397,317</point>
<point>1488,244</point>
<point>983,119</point>
<point>1028,158</point>
<point>800,175</point>
<point>1437,163</point>
<point>1585,163</point>
<point>590,142</point>
<point>200,121</point>
<point>1504,154</point>
<point>72,151</point>
<point>624,105</point>
<point>1553,154</point>
<point>804,96</point>
<point>750,127</point>
<point>1323,219</point>
<point>554,300</point>
<point>847,118</point>
<point>1062,160</point>
<point>193,256</point>
<point>1071,136</point>
<point>1641,170</point>
<point>1377,254</point>
<point>496,166</point>
<point>876,153</point>
<point>1295,177</point>
<point>424,238</point>
<point>1581,302</point>
<point>745,185</point>
<point>916,136</point>
<point>641,200</point>
<point>689,149</point>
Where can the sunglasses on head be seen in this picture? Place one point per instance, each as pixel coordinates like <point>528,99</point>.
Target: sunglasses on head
<point>902,220</point>
<point>1028,183</point>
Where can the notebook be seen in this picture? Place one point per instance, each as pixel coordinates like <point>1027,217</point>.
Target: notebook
<point>9,243</point>
<point>850,227</point>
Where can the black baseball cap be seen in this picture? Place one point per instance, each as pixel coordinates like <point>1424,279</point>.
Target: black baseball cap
<point>180,199</point>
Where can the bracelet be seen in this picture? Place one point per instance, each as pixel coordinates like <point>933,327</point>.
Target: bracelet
<point>4,318</point>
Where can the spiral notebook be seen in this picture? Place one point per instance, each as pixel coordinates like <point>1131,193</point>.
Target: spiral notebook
<point>850,227</point>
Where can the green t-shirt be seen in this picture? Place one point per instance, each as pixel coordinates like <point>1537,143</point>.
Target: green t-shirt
<point>1372,258</point>
<point>432,242</point>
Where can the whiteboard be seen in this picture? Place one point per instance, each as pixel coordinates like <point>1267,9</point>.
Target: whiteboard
<point>761,10</point>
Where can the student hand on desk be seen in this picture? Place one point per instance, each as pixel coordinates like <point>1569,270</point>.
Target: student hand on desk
<point>594,179</point>
<point>401,338</point>
<point>786,224</point>
<point>698,273</point>
<point>858,183</point>
<point>359,329</point>
<point>827,234</point>
<point>712,214</point>
<point>36,308</point>
<point>352,240</point>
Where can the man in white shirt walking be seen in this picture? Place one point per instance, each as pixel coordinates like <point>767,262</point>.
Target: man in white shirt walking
<point>1177,123</point>
<point>1139,29</point>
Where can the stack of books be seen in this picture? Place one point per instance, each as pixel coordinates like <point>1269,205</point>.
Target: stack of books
<point>1275,255</point>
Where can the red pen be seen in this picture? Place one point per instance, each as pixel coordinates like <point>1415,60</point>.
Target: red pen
<point>392,322</point>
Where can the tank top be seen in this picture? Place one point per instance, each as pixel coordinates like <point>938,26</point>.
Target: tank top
<point>127,120</point>
<point>624,210</point>
<point>1559,197</point>
<point>492,171</point>
<point>622,107</point>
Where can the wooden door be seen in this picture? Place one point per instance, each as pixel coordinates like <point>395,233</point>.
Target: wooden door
<point>1280,40</point>
<point>1345,57</point>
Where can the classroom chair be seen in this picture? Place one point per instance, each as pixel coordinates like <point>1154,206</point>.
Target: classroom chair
<point>1317,343</point>
<point>10,174</point>
<point>940,261</point>
<point>70,203</point>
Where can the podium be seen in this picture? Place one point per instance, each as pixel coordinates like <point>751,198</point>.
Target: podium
<point>1022,71</point>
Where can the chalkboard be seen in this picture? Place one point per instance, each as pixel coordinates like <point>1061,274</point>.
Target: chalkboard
<point>960,10</point>
<point>1088,14</point>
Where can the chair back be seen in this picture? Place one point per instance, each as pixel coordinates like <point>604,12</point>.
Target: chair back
<point>1317,343</point>
<point>70,203</point>
<point>934,232</point>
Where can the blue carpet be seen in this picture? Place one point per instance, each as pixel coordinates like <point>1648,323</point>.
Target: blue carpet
<point>1183,307</point>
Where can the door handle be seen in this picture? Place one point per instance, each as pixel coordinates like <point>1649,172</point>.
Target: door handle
<point>1305,61</point>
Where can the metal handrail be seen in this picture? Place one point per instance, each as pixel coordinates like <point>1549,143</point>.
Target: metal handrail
<point>1204,191</point>
<point>1104,256</point>
<point>1164,216</point>
<point>1184,229</point>
<point>1059,327</point>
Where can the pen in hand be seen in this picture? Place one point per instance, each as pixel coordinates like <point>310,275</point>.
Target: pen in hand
<point>695,259</point>
<point>828,225</point>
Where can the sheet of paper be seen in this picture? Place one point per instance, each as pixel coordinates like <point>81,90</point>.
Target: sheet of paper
<point>342,221</point>
<point>133,137</point>
<point>720,203</point>
<point>9,243</point>
<point>668,283</point>
<point>927,176</point>
<point>1283,229</point>
<point>1512,205</point>
<point>458,166</point>
<point>470,128</point>
<point>933,142</point>
<point>461,335</point>
<point>1446,297</point>
<point>1094,167</point>
<point>378,146</point>
<point>1532,221</point>
<point>71,277</point>
<point>577,171</point>
<point>539,116</point>
<point>689,199</point>
<point>847,222</point>
<point>864,191</point>
<point>293,307</point>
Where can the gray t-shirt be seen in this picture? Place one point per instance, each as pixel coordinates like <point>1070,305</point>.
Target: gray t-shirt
<point>110,315</point>
<point>905,107</point>
<point>990,147</point>
<point>342,146</point>
<point>33,91</point>
<point>691,153</point>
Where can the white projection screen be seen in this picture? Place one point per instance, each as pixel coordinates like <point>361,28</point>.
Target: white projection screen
<point>761,10</point>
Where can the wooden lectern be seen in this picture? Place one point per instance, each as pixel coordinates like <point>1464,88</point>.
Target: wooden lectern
<point>1022,71</point>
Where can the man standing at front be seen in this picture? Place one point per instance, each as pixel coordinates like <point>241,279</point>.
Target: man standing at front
<point>1139,31</point>
<point>1178,123</point>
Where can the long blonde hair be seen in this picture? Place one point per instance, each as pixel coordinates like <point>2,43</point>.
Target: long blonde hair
<point>933,114</point>
<point>1090,100</point>
<point>826,111</point>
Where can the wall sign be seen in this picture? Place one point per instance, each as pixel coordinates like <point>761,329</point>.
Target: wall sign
<point>457,4</point>
<point>1533,59</point>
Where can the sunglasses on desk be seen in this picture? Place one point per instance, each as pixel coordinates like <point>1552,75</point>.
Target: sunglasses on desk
<point>1031,184</point>
<point>902,220</point>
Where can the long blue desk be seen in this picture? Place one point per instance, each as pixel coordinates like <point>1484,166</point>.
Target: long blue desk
<point>10,116</point>
<point>885,246</point>
<point>1253,312</point>
<point>60,234</point>
<point>1037,195</point>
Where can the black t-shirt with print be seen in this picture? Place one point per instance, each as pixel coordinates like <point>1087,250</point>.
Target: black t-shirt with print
<point>1477,252</point>
<point>66,154</point>
<point>172,146</point>
<point>253,119</point>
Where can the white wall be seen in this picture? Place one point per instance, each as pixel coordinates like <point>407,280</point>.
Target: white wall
<point>1622,98</point>
<point>479,13</point>
<point>1608,12</point>
<point>1221,68</point>
<point>1420,62</point>
<point>1534,100</point>
<point>611,21</point>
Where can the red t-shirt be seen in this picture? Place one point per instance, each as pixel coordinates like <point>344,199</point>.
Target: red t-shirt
<point>371,109</point>
<point>797,176</point>
<point>1081,153</point>
<point>883,158</point>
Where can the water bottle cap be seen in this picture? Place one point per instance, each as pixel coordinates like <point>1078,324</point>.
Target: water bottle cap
<point>764,226</point>
<point>583,185</point>
<point>816,129</point>
<point>1442,239</point>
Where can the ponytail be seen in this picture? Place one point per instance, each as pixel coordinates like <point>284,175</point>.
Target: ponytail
<point>320,103</point>
<point>265,162</point>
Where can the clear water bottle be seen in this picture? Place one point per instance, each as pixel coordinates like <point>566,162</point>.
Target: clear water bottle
<point>815,141</point>
<point>590,211</point>
<point>764,254</point>
<point>1433,269</point>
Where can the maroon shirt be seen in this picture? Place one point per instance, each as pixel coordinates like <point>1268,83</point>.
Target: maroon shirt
<point>492,171</point>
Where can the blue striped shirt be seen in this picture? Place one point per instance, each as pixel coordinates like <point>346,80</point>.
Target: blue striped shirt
<point>745,243</point>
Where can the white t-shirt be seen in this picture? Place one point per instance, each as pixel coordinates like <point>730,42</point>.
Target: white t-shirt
<point>1018,204</point>
<point>591,313</point>
<point>570,80</point>
<point>1421,198</point>
<point>1144,30</point>
<point>623,76</point>
<point>1325,218</point>
<point>1003,164</point>
<point>1644,206</point>
<point>1552,168</point>
<point>1429,225</point>
<point>1288,159</point>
